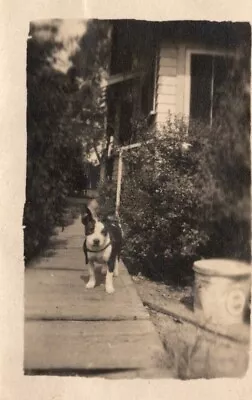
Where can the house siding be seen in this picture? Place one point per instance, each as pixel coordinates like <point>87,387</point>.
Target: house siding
<point>166,82</point>
<point>173,79</point>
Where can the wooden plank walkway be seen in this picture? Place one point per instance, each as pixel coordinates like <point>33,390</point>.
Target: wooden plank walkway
<point>72,330</point>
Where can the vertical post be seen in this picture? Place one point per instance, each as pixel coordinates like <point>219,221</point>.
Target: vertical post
<point>102,171</point>
<point>212,92</point>
<point>119,182</point>
<point>154,100</point>
<point>181,79</point>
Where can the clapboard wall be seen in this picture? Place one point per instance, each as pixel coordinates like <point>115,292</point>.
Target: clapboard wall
<point>170,81</point>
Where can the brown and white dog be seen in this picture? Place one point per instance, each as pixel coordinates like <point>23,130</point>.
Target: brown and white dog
<point>103,243</point>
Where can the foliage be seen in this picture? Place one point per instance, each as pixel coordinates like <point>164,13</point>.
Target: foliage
<point>107,196</point>
<point>227,155</point>
<point>180,203</point>
<point>63,93</point>
<point>161,205</point>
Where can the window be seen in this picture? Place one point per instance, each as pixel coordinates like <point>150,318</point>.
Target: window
<point>148,95</point>
<point>207,74</point>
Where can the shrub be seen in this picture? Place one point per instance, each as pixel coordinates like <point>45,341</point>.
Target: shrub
<point>107,198</point>
<point>161,203</point>
<point>65,116</point>
<point>180,203</point>
<point>228,160</point>
<point>53,150</point>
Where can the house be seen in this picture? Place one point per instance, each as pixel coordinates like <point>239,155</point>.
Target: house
<point>158,68</point>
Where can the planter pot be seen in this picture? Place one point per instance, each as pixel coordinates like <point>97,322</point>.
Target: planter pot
<point>221,291</point>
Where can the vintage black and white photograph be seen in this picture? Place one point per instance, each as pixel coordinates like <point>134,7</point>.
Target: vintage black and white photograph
<point>137,213</point>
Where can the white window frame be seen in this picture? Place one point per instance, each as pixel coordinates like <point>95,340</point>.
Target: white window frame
<point>154,99</point>
<point>187,90</point>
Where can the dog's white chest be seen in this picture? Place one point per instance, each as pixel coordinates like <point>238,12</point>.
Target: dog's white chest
<point>100,256</point>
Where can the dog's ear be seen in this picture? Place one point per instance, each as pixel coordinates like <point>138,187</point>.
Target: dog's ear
<point>86,215</point>
<point>93,207</point>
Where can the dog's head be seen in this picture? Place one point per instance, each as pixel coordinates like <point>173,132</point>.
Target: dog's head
<point>95,230</point>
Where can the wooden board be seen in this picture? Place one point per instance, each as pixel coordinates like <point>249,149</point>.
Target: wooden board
<point>73,330</point>
<point>167,80</point>
<point>59,257</point>
<point>167,90</point>
<point>63,243</point>
<point>168,71</point>
<point>91,345</point>
<point>61,294</point>
<point>77,263</point>
<point>168,50</point>
<point>162,116</point>
<point>164,108</point>
<point>166,99</point>
<point>168,62</point>
<point>65,253</point>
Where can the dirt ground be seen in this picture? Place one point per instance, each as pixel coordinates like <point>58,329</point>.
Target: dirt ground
<point>191,352</point>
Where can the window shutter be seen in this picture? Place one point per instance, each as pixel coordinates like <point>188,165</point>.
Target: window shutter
<point>148,101</point>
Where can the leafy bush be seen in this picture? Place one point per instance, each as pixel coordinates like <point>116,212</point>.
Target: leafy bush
<point>162,206</point>
<point>45,185</point>
<point>228,160</point>
<point>107,198</point>
<point>180,203</point>
<point>54,147</point>
<point>65,115</point>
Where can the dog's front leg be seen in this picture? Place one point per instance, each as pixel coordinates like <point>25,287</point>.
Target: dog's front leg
<point>109,277</point>
<point>91,271</point>
<point>116,269</point>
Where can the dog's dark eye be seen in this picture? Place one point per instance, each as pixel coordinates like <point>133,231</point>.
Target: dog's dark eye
<point>104,232</point>
<point>90,228</point>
